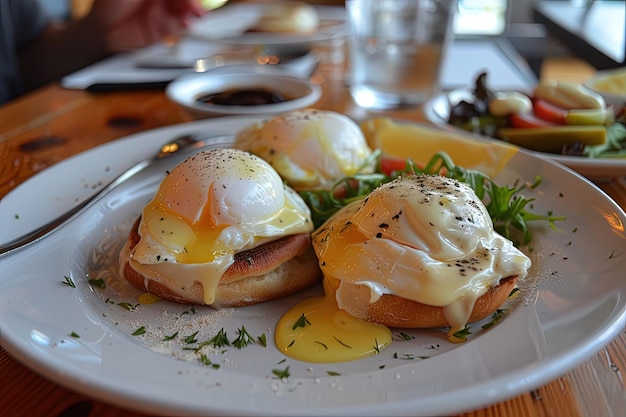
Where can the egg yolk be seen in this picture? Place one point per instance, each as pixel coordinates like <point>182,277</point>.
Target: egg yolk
<point>316,330</point>
<point>208,208</point>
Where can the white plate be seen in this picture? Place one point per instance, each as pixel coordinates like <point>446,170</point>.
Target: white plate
<point>437,110</point>
<point>572,305</point>
<point>229,25</point>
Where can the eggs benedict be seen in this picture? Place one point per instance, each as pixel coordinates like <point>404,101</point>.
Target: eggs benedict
<point>310,149</point>
<point>418,252</point>
<point>221,230</point>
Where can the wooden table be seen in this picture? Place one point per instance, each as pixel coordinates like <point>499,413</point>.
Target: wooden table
<point>51,124</point>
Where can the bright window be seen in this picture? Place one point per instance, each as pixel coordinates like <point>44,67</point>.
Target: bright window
<point>480,17</point>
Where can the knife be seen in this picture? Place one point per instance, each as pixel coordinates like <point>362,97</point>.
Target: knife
<point>126,86</point>
<point>289,59</point>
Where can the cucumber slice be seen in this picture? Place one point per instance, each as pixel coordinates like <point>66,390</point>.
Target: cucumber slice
<point>551,139</point>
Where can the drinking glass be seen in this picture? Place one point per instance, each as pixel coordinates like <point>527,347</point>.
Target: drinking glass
<point>396,49</point>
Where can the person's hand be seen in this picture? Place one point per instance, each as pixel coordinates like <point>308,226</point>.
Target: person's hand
<point>130,24</point>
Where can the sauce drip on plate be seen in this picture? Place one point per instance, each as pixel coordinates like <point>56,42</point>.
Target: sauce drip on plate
<point>316,330</point>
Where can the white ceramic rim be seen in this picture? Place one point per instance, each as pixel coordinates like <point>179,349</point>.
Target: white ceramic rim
<point>184,91</point>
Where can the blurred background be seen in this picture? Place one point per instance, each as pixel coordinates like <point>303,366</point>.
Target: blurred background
<point>579,34</point>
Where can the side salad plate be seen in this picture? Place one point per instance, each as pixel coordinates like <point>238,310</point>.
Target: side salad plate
<point>437,111</point>
<point>65,314</point>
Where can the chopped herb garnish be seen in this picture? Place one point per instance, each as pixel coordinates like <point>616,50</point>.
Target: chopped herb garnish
<point>262,340</point>
<point>170,337</point>
<point>301,322</point>
<point>204,359</point>
<point>333,373</point>
<point>201,345</point>
<point>536,183</point>
<point>376,346</point>
<point>191,338</point>
<point>408,356</point>
<point>514,292</point>
<point>243,338</point>
<point>192,310</point>
<point>462,334</point>
<point>68,281</point>
<point>322,344</point>
<point>98,283</point>
<point>496,318</point>
<point>74,334</point>
<point>342,343</point>
<point>139,331</point>
<point>220,339</point>
<point>405,336</point>
<point>281,373</point>
<point>128,306</point>
<point>613,255</point>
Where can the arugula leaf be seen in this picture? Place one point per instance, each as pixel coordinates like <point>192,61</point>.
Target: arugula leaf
<point>505,204</point>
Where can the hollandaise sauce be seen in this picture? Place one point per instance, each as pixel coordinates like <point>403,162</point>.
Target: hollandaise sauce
<point>316,330</point>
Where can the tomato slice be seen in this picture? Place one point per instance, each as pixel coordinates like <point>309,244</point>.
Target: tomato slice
<point>528,120</point>
<point>389,165</point>
<point>549,112</point>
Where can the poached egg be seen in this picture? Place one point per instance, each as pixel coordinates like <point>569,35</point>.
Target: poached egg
<point>208,208</point>
<point>424,238</point>
<point>310,149</point>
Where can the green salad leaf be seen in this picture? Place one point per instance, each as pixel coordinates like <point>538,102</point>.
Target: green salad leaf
<point>614,147</point>
<point>506,205</point>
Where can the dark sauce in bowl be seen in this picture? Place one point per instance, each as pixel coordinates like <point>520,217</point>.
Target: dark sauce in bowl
<point>243,97</point>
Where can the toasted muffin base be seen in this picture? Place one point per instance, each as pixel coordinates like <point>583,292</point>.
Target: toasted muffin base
<point>394,311</point>
<point>267,272</point>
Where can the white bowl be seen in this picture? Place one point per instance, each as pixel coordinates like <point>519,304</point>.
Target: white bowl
<point>187,89</point>
<point>610,84</point>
